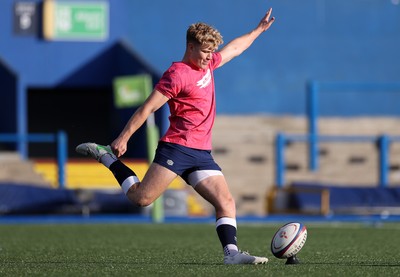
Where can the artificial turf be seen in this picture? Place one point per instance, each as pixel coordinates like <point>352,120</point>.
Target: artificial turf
<point>191,250</point>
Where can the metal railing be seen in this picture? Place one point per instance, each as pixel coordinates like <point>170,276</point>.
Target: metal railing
<point>313,90</point>
<point>383,142</point>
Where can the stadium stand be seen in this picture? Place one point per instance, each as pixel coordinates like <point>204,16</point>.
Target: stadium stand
<point>258,96</point>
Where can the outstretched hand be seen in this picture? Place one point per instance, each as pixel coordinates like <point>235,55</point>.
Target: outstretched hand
<point>266,21</point>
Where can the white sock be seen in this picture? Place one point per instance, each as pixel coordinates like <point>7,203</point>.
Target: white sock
<point>226,229</point>
<point>108,159</point>
<point>231,250</point>
<point>130,181</point>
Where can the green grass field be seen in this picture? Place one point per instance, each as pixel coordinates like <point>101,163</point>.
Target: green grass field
<point>191,250</point>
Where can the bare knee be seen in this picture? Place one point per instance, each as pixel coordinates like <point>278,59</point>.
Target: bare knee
<point>139,199</point>
<point>144,202</point>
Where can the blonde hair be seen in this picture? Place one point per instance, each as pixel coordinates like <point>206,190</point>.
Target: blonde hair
<point>203,33</point>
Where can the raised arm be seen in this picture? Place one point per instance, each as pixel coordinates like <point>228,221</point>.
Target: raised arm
<point>152,104</point>
<point>236,47</point>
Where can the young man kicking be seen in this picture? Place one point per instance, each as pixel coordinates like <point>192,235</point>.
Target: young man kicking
<point>185,149</point>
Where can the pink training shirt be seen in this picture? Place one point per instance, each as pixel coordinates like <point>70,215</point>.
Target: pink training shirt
<point>191,94</point>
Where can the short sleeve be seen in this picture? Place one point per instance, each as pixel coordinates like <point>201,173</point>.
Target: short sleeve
<point>169,84</point>
<point>216,60</point>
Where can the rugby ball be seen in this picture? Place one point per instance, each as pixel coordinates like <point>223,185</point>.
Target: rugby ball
<point>288,240</point>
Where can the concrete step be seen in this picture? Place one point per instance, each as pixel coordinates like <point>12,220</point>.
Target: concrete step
<point>15,170</point>
<point>244,146</point>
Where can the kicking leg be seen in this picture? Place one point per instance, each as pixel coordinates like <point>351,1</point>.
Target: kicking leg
<point>155,181</point>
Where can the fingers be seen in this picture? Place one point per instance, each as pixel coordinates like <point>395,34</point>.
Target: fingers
<point>117,149</point>
<point>117,153</point>
<point>268,14</point>
<point>120,152</point>
<point>267,21</point>
<point>272,20</point>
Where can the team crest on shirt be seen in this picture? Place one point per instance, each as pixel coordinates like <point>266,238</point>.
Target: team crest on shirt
<point>206,80</point>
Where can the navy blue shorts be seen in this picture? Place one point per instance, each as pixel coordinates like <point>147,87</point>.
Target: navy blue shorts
<point>184,160</point>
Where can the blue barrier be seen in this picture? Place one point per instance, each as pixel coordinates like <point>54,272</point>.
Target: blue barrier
<point>60,138</point>
<point>313,90</point>
<point>383,143</point>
